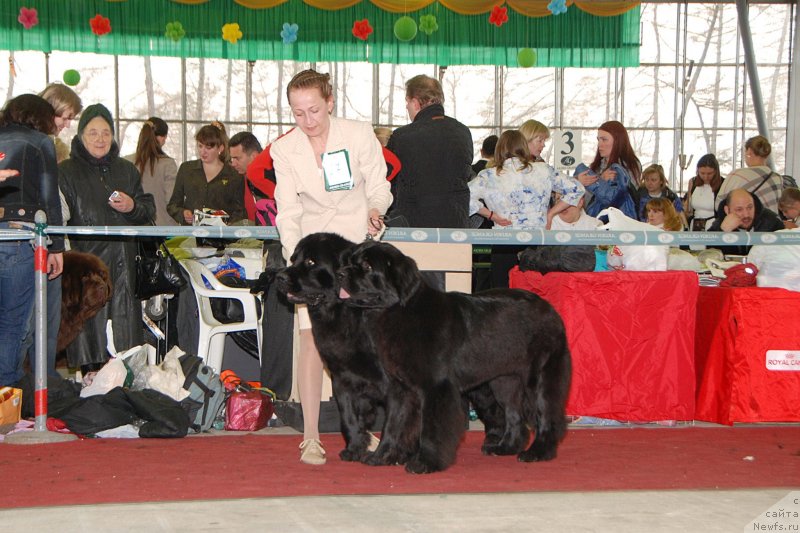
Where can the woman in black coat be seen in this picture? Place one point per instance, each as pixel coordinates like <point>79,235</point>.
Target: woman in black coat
<point>103,189</point>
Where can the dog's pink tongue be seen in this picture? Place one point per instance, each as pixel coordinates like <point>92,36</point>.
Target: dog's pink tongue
<point>343,294</point>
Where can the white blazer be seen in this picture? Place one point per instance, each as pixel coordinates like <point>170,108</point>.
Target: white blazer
<point>305,207</point>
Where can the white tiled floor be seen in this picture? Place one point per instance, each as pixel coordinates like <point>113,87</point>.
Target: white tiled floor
<point>639,512</point>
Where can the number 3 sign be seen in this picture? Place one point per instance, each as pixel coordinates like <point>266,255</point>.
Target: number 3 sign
<point>567,149</point>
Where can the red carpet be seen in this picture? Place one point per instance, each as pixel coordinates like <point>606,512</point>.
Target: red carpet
<point>251,466</point>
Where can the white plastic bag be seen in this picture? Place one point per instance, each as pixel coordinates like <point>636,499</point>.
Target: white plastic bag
<point>778,265</point>
<point>641,257</point>
<point>111,375</point>
<point>682,260</point>
<point>167,378</point>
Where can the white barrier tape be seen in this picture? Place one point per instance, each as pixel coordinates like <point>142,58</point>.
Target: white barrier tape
<point>445,235</point>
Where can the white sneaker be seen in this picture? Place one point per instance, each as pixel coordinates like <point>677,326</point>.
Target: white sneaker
<point>312,452</point>
<point>374,442</point>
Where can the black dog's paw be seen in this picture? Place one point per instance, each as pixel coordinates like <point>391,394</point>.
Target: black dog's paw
<point>510,444</point>
<point>537,453</point>
<point>385,456</point>
<point>498,449</point>
<point>351,456</point>
<point>490,441</point>
<point>417,466</point>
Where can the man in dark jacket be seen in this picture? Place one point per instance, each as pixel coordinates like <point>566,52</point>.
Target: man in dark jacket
<point>742,211</point>
<point>436,155</point>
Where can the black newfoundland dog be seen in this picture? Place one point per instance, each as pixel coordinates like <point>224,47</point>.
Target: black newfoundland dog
<point>359,383</point>
<point>435,345</point>
<point>345,343</point>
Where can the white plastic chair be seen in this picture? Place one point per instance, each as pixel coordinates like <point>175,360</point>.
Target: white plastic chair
<point>211,332</point>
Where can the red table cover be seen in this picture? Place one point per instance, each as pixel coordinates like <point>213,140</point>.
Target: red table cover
<point>631,335</point>
<point>735,328</point>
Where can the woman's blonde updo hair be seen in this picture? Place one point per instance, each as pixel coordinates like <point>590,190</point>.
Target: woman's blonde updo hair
<point>532,128</point>
<point>309,79</point>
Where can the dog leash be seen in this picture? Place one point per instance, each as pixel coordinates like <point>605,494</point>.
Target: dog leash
<point>381,230</point>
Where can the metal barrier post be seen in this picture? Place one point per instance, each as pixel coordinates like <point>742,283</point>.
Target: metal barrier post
<point>40,434</point>
<point>40,324</point>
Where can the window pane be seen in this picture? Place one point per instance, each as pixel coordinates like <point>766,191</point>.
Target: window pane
<point>352,90</point>
<point>153,87</point>
<point>469,94</point>
<point>771,29</point>
<point>215,90</point>
<point>658,23</point>
<point>650,97</point>
<point>30,78</point>
<point>528,93</point>
<point>713,100</point>
<point>774,95</point>
<point>589,97</point>
<point>713,33</point>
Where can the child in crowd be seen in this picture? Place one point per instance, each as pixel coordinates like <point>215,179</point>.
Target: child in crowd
<point>662,214</point>
<point>789,205</point>
<point>654,185</point>
<point>573,218</point>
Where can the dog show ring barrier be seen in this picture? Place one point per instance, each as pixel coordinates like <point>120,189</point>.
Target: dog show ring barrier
<point>452,254</point>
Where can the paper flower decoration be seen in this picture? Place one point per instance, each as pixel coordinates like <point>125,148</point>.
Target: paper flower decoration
<point>526,57</point>
<point>499,16</point>
<point>405,29</point>
<point>428,24</point>
<point>289,33</point>
<point>174,31</point>
<point>361,29</point>
<point>71,77</point>
<point>231,32</point>
<point>100,25</point>
<point>28,17</point>
<point>557,7</point>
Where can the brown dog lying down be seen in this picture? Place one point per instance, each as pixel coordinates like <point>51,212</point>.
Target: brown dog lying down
<point>85,288</point>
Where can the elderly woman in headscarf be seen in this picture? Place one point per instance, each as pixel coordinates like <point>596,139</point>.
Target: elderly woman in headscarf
<point>103,189</point>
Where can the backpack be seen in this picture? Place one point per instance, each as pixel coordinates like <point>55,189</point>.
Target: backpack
<point>206,392</point>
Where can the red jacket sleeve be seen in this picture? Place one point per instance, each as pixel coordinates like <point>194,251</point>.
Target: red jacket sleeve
<point>258,173</point>
<point>392,163</point>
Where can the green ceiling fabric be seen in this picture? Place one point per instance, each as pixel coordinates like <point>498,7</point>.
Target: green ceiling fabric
<point>574,39</point>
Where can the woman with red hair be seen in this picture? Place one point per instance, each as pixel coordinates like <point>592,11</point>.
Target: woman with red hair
<point>613,177</point>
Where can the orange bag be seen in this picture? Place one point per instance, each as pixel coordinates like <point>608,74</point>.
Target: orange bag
<point>10,405</point>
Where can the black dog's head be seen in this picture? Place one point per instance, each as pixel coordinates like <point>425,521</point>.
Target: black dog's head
<point>311,276</point>
<point>377,274</point>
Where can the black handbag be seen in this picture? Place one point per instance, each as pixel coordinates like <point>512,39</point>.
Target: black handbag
<point>157,272</point>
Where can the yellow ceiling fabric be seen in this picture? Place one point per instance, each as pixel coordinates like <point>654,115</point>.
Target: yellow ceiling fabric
<point>529,8</point>
<point>398,6</point>
<point>259,4</point>
<point>532,8</point>
<point>470,7</point>
<point>605,9</point>
<point>331,5</point>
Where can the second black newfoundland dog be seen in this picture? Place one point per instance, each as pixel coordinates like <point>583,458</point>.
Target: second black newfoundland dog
<point>344,346</point>
<point>435,345</point>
